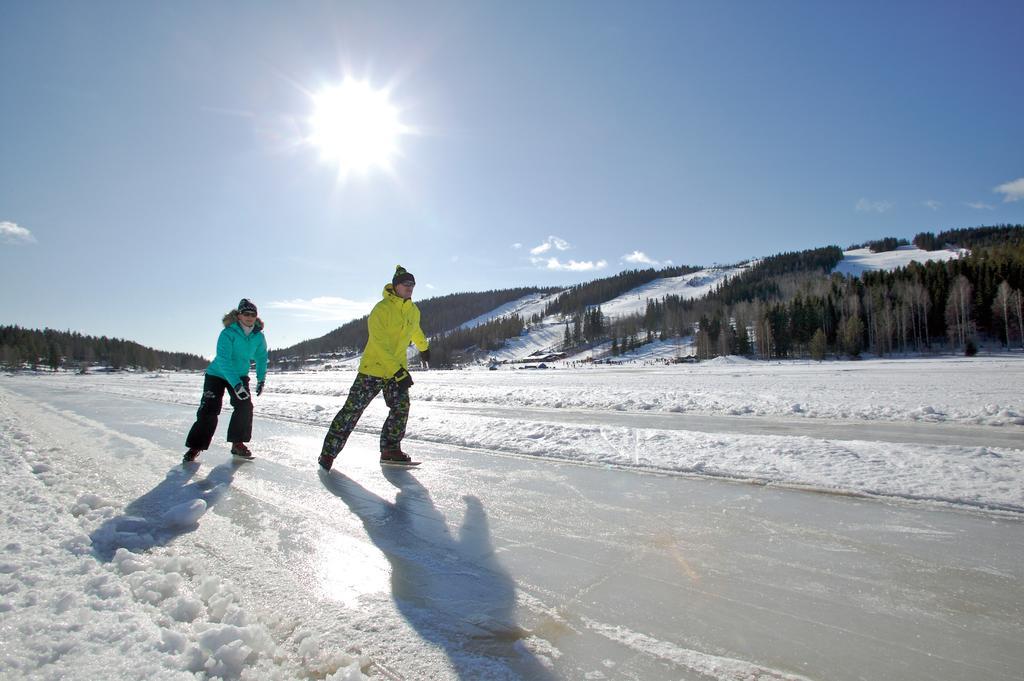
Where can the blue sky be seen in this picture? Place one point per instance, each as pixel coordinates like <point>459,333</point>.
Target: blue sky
<point>156,164</point>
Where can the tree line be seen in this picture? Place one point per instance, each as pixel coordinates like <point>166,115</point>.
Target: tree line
<point>970,237</point>
<point>49,348</point>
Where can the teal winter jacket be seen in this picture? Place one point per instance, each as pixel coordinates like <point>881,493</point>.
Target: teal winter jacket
<point>235,351</point>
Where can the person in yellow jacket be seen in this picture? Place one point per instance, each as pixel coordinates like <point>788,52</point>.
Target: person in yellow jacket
<point>393,324</point>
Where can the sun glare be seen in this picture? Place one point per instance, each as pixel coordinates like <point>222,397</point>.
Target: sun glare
<point>355,127</point>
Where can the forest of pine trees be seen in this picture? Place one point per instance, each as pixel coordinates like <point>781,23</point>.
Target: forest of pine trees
<point>69,350</point>
<point>789,306</point>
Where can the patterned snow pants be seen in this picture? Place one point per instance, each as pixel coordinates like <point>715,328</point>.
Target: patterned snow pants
<point>364,389</point>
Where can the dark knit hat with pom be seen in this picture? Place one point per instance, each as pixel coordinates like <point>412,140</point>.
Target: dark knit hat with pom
<point>402,276</point>
<point>246,305</point>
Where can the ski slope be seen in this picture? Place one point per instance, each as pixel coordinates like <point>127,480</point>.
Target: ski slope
<point>860,260</point>
<point>549,335</point>
<point>687,287</point>
<point>525,308</point>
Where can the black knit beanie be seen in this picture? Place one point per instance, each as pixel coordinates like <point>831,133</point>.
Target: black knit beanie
<point>402,276</point>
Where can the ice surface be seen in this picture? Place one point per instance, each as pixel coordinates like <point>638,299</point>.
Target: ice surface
<point>525,547</point>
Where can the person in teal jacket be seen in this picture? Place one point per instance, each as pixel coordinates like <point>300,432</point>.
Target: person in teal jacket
<point>241,342</point>
<point>392,325</point>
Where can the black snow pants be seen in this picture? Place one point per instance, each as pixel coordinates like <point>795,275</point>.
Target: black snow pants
<point>240,426</point>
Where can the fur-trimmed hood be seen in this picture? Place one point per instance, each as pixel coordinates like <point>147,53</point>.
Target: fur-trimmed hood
<point>236,350</point>
<point>231,316</point>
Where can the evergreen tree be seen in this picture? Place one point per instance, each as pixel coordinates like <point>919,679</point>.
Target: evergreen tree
<point>742,340</point>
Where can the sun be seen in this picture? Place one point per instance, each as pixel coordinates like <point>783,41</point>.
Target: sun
<point>356,127</point>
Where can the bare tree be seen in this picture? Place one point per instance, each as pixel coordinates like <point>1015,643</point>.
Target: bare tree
<point>922,306</point>
<point>763,335</point>
<point>1020,315</point>
<point>819,345</point>
<point>703,342</point>
<point>852,333</point>
<point>1001,308</point>
<point>912,314</point>
<point>958,311</point>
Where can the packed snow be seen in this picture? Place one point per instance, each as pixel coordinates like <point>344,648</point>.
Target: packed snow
<point>525,307</point>
<point>82,598</point>
<point>104,574</point>
<point>686,287</point>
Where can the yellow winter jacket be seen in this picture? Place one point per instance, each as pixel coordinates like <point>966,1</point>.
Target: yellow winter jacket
<point>393,324</point>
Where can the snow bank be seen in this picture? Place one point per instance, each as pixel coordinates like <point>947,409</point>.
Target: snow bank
<point>167,617</point>
<point>970,391</point>
<point>973,392</point>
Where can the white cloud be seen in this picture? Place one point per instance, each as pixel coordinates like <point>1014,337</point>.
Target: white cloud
<point>550,263</point>
<point>866,206</point>
<point>1011,191</point>
<point>933,204</point>
<point>552,242</point>
<point>641,258</point>
<point>517,246</point>
<point>13,233</point>
<point>572,265</point>
<point>978,205</point>
<point>324,308</point>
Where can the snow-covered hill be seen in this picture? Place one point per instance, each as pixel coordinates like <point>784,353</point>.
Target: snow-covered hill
<point>861,260</point>
<point>546,337</point>
<point>526,307</point>
<point>687,287</point>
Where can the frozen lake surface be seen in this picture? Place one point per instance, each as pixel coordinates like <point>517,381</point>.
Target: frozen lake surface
<point>520,549</point>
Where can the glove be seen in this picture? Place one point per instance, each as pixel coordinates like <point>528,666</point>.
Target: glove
<point>240,391</point>
<point>259,387</point>
<point>425,356</point>
<point>403,379</point>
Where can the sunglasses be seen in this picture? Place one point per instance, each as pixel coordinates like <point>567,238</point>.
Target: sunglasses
<point>247,314</point>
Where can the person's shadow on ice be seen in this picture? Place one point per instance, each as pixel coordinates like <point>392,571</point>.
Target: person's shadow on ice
<point>453,591</point>
<point>167,511</point>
